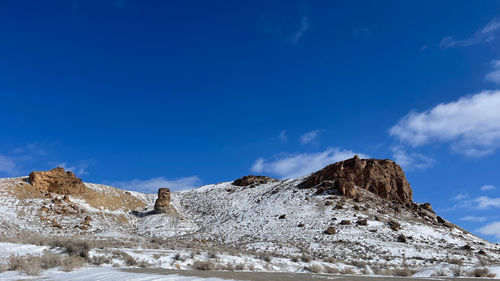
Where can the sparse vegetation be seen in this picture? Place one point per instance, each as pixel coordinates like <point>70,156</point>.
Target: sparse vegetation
<point>71,263</point>
<point>316,268</point>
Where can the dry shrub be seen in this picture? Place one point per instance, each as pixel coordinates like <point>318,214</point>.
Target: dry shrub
<point>72,262</point>
<point>456,261</point>
<point>404,272</point>
<point>265,257</point>
<point>240,266</point>
<point>144,264</point>
<point>306,258</point>
<point>14,261</point>
<point>3,266</point>
<point>129,260</point>
<point>179,257</point>
<point>440,272</point>
<point>481,272</point>
<point>203,265</point>
<point>50,260</point>
<point>31,265</point>
<point>100,259</point>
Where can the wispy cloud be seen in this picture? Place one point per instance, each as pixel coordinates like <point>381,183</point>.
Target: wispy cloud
<point>494,75</point>
<point>282,136</point>
<point>492,229</point>
<point>309,137</point>
<point>296,165</point>
<point>487,33</point>
<point>79,169</point>
<point>7,165</point>
<point>473,219</point>
<point>487,187</point>
<point>152,185</point>
<point>471,125</point>
<point>304,26</point>
<point>411,160</point>
<point>485,202</point>
<point>460,197</point>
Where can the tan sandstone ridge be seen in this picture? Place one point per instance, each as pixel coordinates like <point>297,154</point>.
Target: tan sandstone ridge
<point>57,181</point>
<point>384,178</point>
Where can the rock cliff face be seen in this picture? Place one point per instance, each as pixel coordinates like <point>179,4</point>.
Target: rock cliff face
<point>384,178</point>
<point>57,181</point>
<point>253,180</point>
<point>163,202</point>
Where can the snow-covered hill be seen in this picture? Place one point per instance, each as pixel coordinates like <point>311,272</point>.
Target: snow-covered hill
<point>276,218</point>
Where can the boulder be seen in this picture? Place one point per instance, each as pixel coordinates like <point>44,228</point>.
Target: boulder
<point>253,180</point>
<point>330,230</point>
<point>384,178</point>
<point>163,202</point>
<point>57,181</point>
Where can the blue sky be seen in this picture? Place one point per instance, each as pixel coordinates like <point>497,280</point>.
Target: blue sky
<point>143,94</point>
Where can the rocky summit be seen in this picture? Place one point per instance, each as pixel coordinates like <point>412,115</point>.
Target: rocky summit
<point>384,178</point>
<point>57,181</point>
<point>251,180</point>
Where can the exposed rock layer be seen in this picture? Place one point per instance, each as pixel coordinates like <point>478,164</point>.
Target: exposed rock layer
<point>384,178</point>
<point>253,180</point>
<point>163,202</point>
<point>57,181</point>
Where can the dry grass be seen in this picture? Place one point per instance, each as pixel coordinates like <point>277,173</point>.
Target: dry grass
<point>72,262</point>
<point>346,270</point>
<point>265,257</point>
<point>113,199</point>
<point>100,259</point>
<point>31,265</point>
<point>456,261</point>
<point>3,266</point>
<point>14,261</point>
<point>330,269</point>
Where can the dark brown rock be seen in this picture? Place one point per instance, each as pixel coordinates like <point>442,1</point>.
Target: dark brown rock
<point>345,222</point>
<point>331,230</point>
<point>394,225</point>
<point>301,225</point>
<point>384,178</point>
<point>440,219</point>
<point>57,181</point>
<point>253,180</point>
<point>402,238</point>
<point>362,222</point>
<point>282,217</point>
<point>163,202</point>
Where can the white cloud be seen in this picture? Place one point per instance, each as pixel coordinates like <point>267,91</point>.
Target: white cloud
<point>471,125</point>
<point>152,185</point>
<point>78,169</point>
<point>308,137</point>
<point>473,219</point>
<point>7,165</point>
<point>488,33</point>
<point>487,187</point>
<point>460,197</point>
<point>485,202</point>
<point>494,75</point>
<point>282,136</point>
<point>296,165</point>
<point>411,160</point>
<point>304,26</point>
<point>492,229</point>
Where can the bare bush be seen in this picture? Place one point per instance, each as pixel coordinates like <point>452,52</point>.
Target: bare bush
<point>456,261</point>
<point>129,260</point>
<point>14,261</point>
<point>440,272</point>
<point>179,257</point>
<point>306,258</point>
<point>203,265</point>
<point>330,269</point>
<point>72,262</point>
<point>144,264</point>
<point>240,266</point>
<point>457,271</point>
<point>31,265</point>
<point>481,272</point>
<point>265,257</point>
<point>50,260</point>
<point>100,259</point>
<point>3,266</point>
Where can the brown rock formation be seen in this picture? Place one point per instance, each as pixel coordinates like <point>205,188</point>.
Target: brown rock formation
<point>253,180</point>
<point>163,202</point>
<point>384,178</point>
<point>57,181</point>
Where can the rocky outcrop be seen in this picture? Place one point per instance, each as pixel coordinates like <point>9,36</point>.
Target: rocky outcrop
<point>253,180</point>
<point>57,181</point>
<point>384,178</point>
<point>163,201</point>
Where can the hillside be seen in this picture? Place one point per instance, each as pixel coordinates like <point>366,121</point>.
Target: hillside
<point>356,214</point>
